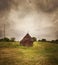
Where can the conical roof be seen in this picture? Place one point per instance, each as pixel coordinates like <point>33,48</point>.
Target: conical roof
<point>27,37</point>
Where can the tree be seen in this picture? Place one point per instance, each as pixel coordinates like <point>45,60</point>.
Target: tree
<point>6,39</point>
<point>39,40</point>
<point>1,40</point>
<point>12,39</point>
<point>34,39</point>
<point>53,41</point>
<point>56,41</point>
<point>43,40</point>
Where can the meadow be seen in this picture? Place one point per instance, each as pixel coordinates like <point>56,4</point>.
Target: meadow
<point>42,53</point>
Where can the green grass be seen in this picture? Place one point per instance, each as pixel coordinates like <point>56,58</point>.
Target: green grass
<point>9,44</point>
<point>42,53</point>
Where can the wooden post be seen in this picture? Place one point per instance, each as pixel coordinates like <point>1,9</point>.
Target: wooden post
<point>4,31</point>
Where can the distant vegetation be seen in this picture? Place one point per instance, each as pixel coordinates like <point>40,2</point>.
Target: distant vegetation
<point>52,41</point>
<point>34,39</point>
<point>7,39</point>
<point>43,40</point>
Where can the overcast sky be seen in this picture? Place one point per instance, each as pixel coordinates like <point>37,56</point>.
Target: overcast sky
<point>39,18</point>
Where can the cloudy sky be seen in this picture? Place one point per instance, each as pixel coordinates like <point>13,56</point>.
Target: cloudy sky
<point>39,18</point>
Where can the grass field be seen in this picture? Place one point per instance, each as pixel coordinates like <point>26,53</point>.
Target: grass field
<point>40,54</point>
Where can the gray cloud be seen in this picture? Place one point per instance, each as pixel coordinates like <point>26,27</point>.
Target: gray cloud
<point>43,13</point>
<point>47,5</point>
<point>5,5</point>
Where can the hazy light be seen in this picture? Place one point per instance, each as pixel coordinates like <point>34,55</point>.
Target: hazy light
<point>36,24</point>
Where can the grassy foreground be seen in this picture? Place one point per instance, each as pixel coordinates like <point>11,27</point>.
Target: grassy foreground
<point>40,54</point>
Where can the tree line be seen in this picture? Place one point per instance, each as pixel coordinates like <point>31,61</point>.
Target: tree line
<point>52,41</point>
<point>44,40</point>
<point>34,39</point>
<point>7,39</point>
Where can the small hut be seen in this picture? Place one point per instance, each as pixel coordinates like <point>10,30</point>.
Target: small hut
<point>27,41</point>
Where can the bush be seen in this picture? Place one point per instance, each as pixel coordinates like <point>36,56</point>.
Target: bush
<point>6,39</point>
<point>12,39</point>
<point>34,39</point>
